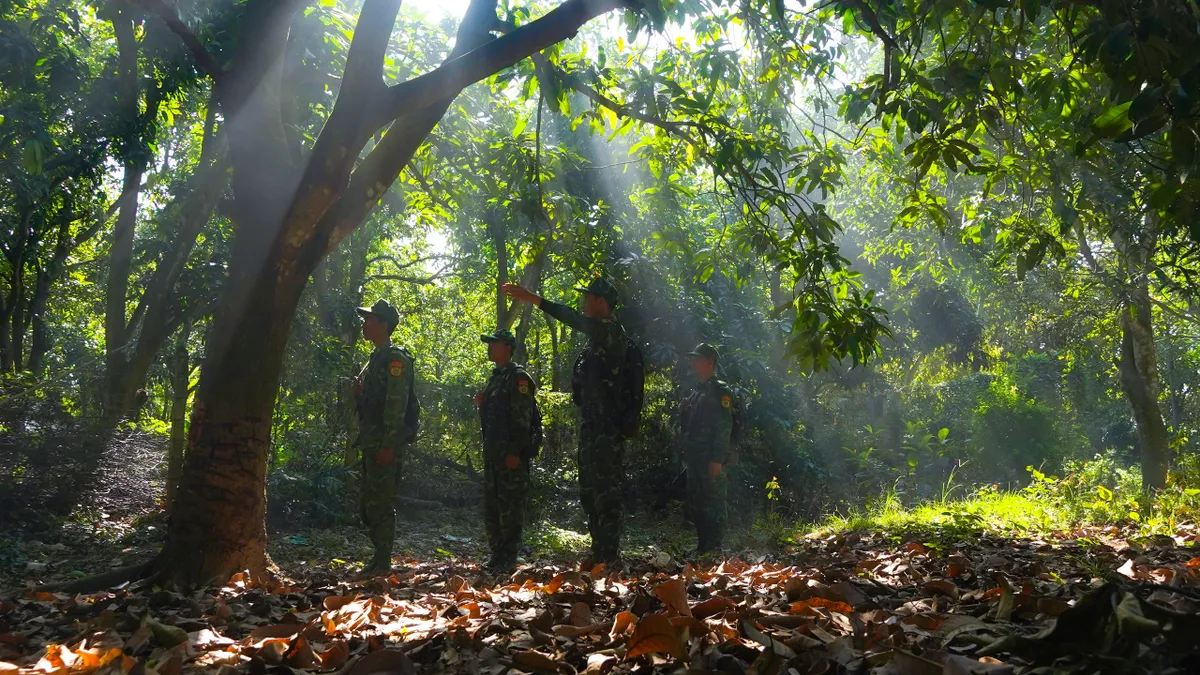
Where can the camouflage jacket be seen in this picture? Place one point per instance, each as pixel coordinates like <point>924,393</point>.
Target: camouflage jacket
<point>596,380</point>
<point>506,414</point>
<point>384,398</point>
<point>706,422</point>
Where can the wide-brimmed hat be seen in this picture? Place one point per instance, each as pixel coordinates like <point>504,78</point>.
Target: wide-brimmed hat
<point>383,310</point>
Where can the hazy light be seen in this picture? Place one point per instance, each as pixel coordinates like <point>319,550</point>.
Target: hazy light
<point>434,9</point>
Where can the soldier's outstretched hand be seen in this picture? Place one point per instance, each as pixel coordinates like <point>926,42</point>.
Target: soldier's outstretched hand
<point>520,293</point>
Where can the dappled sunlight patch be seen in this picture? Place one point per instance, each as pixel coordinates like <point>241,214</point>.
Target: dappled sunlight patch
<point>546,536</point>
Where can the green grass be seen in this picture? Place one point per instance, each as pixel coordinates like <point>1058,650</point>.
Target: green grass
<point>1009,513</point>
<point>1049,506</point>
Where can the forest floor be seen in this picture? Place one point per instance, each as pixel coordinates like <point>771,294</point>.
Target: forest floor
<point>862,595</point>
<point>836,602</point>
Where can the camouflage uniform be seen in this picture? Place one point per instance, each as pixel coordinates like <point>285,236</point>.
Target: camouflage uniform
<point>706,422</point>
<point>601,445</point>
<point>506,415</point>
<point>381,411</point>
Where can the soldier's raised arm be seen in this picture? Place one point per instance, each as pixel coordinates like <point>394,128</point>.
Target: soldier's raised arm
<point>568,315</point>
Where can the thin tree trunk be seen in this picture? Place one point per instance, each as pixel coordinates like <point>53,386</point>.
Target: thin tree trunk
<point>499,233</point>
<point>38,307</point>
<point>778,346</point>
<point>358,250</point>
<point>118,401</point>
<point>521,353</point>
<point>552,325</point>
<point>10,316</point>
<point>180,369</point>
<point>1139,380</point>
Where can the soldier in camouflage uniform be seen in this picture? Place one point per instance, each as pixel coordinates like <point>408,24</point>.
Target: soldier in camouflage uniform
<point>507,413</point>
<point>706,426</point>
<point>597,393</point>
<point>381,391</point>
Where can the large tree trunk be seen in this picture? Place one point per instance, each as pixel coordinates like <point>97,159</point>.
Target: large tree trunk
<point>217,525</point>
<point>1140,382</point>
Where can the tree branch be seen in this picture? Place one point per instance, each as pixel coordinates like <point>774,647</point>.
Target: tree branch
<point>204,58</point>
<point>621,109</point>
<point>346,131</point>
<point>561,23</point>
<point>363,75</point>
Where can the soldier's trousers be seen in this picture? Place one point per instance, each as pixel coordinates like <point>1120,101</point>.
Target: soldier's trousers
<point>601,469</point>
<point>505,492</point>
<point>706,497</point>
<point>377,500</point>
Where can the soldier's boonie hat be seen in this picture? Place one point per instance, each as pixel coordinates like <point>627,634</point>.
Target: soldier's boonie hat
<point>383,310</point>
<point>601,287</point>
<point>705,349</point>
<point>502,335</point>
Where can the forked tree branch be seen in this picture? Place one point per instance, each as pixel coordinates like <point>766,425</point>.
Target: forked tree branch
<point>422,102</point>
<point>346,131</point>
<point>561,23</point>
<point>363,75</point>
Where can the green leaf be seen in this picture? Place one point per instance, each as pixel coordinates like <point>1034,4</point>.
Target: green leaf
<point>32,156</point>
<point>1104,493</point>
<point>1114,122</point>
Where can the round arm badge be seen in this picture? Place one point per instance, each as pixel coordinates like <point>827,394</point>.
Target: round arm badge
<point>726,401</point>
<point>396,368</point>
<point>523,386</point>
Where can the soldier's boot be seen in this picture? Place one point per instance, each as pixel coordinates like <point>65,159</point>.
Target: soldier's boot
<point>381,538</point>
<point>707,545</point>
<point>501,564</point>
<point>381,563</point>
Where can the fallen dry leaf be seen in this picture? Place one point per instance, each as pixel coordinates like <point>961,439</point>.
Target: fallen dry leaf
<point>655,635</point>
<point>673,594</point>
<point>535,661</point>
<point>581,615</point>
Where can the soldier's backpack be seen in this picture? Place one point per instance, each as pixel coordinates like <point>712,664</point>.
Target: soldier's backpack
<point>412,413</point>
<point>738,433</point>
<point>632,388</point>
<point>536,432</point>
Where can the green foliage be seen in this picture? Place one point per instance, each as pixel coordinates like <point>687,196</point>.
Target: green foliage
<point>1047,506</point>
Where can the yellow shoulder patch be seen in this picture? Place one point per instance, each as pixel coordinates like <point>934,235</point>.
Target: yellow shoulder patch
<point>726,401</point>
<point>396,368</point>
<point>523,386</point>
